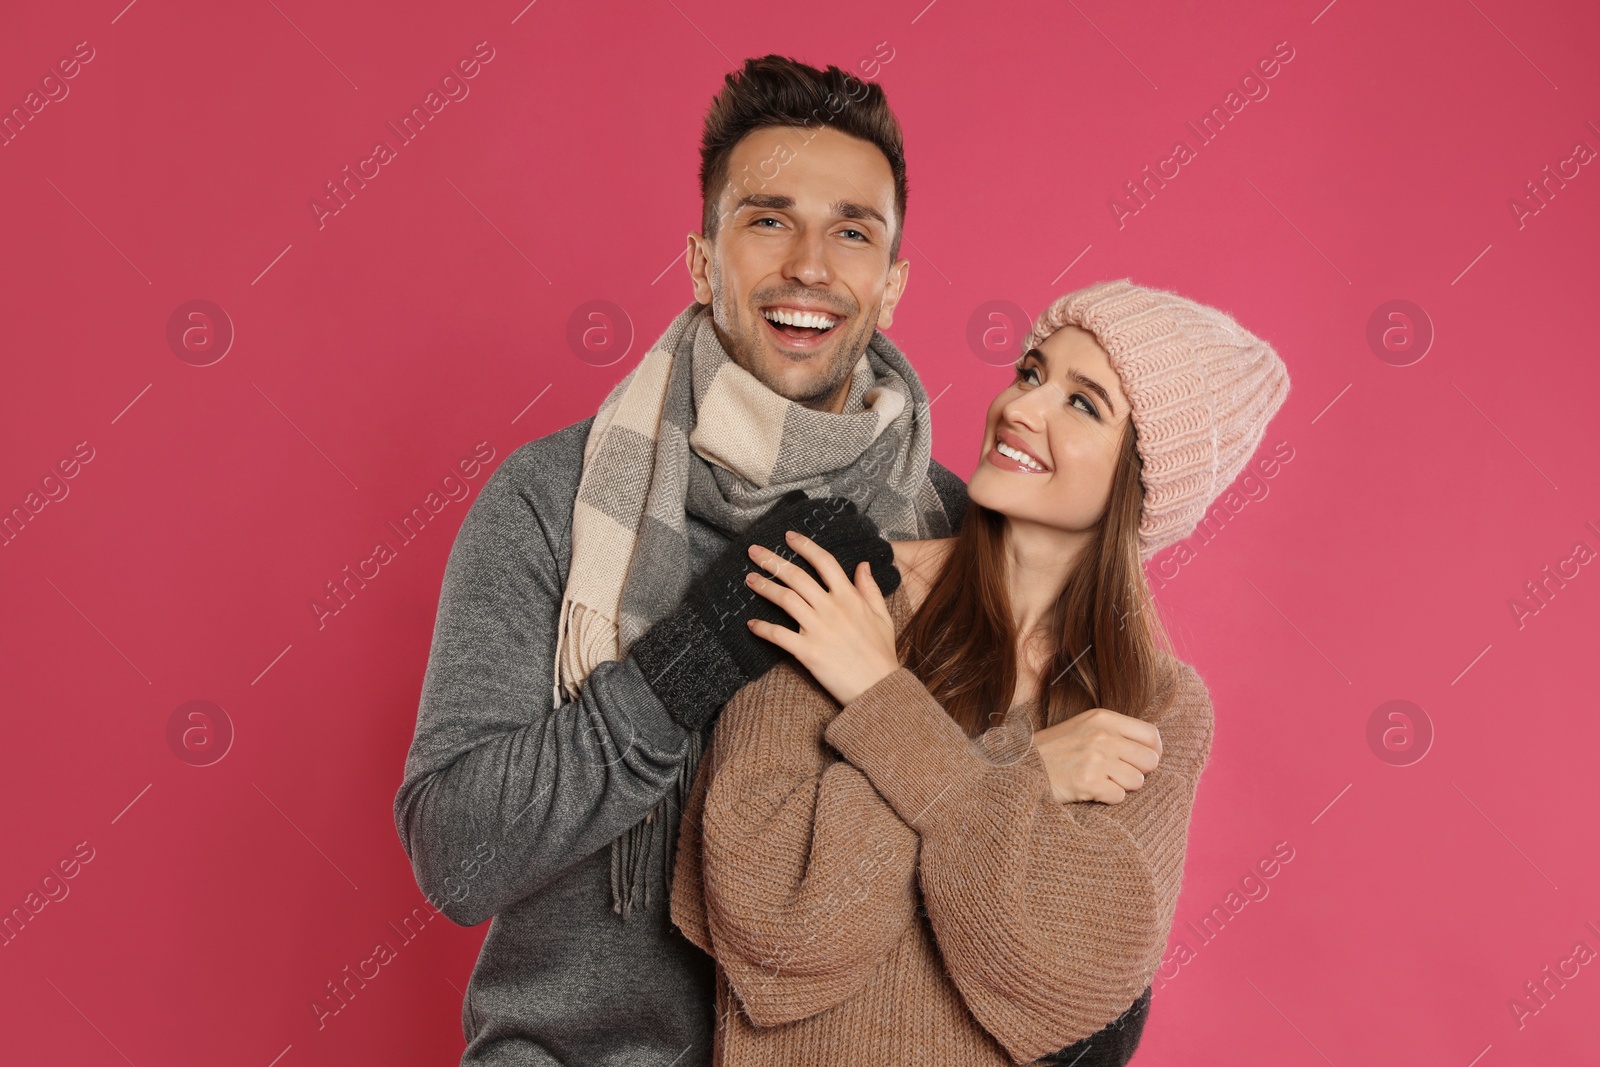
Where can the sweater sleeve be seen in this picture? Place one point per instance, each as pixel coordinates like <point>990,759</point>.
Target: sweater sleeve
<point>501,790</point>
<point>807,878</point>
<point>1050,917</point>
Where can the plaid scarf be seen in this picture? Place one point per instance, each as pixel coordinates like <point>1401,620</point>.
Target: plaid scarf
<point>689,430</point>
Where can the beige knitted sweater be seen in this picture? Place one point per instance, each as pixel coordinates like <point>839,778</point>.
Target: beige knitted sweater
<point>878,888</point>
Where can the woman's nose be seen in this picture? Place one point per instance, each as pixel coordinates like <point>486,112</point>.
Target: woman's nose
<point>1027,409</point>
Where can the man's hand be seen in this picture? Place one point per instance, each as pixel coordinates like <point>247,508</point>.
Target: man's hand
<point>696,657</point>
<point>846,637</point>
<point>1098,754</point>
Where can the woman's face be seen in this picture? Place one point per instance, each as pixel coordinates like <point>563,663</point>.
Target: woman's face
<point>1066,410</point>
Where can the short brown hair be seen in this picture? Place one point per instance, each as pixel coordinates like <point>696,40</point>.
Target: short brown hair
<point>775,90</point>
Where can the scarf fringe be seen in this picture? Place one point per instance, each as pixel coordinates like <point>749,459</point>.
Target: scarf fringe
<point>585,638</point>
<point>631,850</point>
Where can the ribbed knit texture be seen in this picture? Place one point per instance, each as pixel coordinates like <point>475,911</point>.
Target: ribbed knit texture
<point>878,888</point>
<point>1202,389</point>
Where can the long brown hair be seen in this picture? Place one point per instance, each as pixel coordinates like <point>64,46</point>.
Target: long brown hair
<point>1107,643</point>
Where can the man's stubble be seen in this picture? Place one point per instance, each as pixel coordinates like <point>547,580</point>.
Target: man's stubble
<point>744,346</point>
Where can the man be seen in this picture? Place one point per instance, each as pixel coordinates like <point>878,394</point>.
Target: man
<point>570,687</point>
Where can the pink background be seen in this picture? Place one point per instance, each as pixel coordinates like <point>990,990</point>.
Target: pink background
<point>431,313</point>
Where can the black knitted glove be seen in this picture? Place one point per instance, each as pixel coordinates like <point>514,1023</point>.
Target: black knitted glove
<point>700,654</point>
<point>1111,1046</point>
<point>832,522</point>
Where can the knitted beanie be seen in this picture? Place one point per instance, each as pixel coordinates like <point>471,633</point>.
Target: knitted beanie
<point>1202,389</point>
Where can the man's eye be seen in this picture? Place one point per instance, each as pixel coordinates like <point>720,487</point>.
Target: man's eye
<point>858,234</point>
<point>759,221</point>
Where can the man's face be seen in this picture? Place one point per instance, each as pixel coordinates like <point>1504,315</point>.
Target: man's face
<point>807,218</point>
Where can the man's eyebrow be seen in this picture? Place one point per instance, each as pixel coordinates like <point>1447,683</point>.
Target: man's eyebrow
<point>849,209</point>
<point>767,201</point>
<point>1076,375</point>
<point>845,209</point>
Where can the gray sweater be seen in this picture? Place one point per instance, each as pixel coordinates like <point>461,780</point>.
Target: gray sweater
<point>508,808</point>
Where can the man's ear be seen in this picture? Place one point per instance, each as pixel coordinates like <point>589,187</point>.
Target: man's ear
<point>893,291</point>
<point>698,258</point>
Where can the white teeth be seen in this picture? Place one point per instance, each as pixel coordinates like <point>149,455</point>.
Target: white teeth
<point>1021,457</point>
<point>814,319</point>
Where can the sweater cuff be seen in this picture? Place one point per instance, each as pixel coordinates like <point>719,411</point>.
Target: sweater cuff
<point>909,747</point>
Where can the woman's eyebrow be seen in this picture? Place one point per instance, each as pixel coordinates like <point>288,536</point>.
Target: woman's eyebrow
<point>1076,375</point>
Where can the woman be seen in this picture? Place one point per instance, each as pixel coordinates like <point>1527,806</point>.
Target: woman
<point>933,837</point>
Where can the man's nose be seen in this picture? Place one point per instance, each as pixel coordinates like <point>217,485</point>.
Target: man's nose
<point>808,261</point>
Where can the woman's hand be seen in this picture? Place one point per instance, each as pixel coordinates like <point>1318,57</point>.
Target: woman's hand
<point>846,637</point>
<point>1098,754</point>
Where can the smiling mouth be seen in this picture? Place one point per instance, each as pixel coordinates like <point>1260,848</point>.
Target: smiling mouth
<point>794,325</point>
<point>1012,457</point>
<point>1018,456</point>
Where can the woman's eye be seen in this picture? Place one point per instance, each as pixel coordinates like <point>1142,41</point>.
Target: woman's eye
<point>1087,405</point>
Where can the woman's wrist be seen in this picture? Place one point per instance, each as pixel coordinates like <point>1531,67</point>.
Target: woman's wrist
<point>858,682</point>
